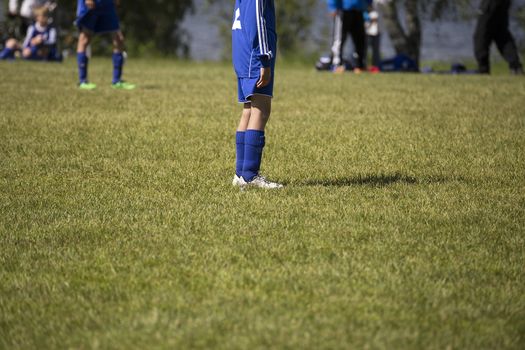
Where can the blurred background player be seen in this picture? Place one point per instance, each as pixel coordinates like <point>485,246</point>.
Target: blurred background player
<point>348,19</point>
<point>94,17</point>
<point>41,40</point>
<point>493,25</point>
<point>22,11</point>
<point>373,37</point>
<point>254,44</point>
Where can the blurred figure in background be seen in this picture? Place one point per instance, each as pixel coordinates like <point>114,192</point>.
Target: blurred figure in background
<point>24,13</point>
<point>348,19</point>
<point>21,13</point>
<point>40,43</point>
<point>493,25</point>
<point>41,39</point>
<point>373,36</point>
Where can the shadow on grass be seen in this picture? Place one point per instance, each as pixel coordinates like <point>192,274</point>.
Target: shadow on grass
<point>375,180</point>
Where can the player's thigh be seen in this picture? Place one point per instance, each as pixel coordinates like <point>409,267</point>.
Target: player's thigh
<point>262,103</point>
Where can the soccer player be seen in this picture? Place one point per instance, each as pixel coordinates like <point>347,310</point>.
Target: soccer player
<point>348,18</point>
<point>254,44</point>
<point>493,25</point>
<point>93,17</point>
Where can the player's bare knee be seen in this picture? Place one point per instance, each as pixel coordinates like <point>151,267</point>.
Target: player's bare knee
<point>118,42</point>
<point>26,53</point>
<point>247,110</point>
<point>11,44</point>
<point>83,41</point>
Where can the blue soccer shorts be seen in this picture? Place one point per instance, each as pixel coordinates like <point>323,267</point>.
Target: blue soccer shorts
<point>100,20</point>
<point>247,87</point>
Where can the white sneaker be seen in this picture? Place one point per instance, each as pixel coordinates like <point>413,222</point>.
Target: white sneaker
<point>261,182</point>
<point>238,181</point>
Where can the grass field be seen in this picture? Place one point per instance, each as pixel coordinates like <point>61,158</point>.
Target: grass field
<point>402,225</point>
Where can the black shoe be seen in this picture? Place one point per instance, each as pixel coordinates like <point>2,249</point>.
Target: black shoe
<point>516,71</point>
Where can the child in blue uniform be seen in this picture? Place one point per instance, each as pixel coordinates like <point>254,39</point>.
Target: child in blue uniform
<point>254,44</point>
<point>93,17</point>
<point>41,40</point>
<point>40,43</point>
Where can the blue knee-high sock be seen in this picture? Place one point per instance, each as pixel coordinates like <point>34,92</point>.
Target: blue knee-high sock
<point>239,162</point>
<point>253,149</point>
<point>7,54</point>
<point>118,62</point>
<point>82,61</point>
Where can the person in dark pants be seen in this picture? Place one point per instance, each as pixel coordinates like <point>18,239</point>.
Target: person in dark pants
<point>493,25</point>
<point>348,18</point>
<point>374,37</point>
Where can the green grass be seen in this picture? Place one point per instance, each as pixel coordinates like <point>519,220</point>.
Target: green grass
<point>402,225</point>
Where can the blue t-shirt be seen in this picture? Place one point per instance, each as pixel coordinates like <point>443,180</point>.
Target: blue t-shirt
<point>254,37</point>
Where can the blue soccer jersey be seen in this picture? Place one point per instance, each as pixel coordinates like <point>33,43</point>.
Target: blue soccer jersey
<point>254,38</point>
<point>47,49</point>
<point>49,35</point>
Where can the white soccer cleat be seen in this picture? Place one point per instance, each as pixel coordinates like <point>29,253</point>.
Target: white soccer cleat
<point>238,181</point>
<point>261,182</point>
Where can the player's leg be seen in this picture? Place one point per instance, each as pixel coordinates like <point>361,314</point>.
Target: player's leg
<point>506,43</point>
<point>256,112</point>
<point>376,50</point>
<point>239,143</point>
<point>8,53</point>
<point>118,62</point>
<point>482,41</point>
<point>261,106</point>
<point>118,57</point>
<point>84,39</point>
<point>35,53</point>
<point>337,39</point>
<point>254,138</point>
<point>356,27</point>
<point>245,117</point>
<point>508,49</point>
<point>29,53</point>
